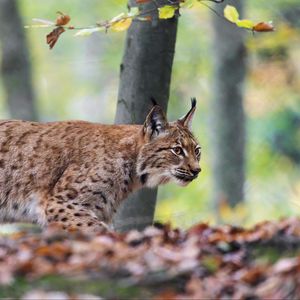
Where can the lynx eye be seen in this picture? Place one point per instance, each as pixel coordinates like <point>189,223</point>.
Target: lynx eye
<point>177,150</point>
<point>198,152</point>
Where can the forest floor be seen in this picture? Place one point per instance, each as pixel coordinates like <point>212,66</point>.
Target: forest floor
<point>203,262</point>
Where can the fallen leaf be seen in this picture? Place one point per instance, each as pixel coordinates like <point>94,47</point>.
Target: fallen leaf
<point>39,294</point>
<point>198,228</point>
<point>55,250</point>
<point>209,262</point>
<point>251,276</point>
<point>167,295</point>
<point>286,265</point>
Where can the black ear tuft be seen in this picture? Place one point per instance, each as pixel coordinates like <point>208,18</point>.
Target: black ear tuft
<point>193,102</point>
<point>153,101</point>
<point>187,119</point>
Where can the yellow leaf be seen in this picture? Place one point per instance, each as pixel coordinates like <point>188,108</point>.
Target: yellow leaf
<point>231,14</point>
<point>166,12</point>
<point>245,24</point>
<point>121,25</point>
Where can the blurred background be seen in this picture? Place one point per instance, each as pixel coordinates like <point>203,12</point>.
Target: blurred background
<point>79,79</point>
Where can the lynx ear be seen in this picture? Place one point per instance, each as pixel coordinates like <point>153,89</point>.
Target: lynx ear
<point>188,118</point>
<point>156,122</point>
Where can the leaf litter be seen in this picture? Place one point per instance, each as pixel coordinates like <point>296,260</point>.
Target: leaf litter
<point>202,262</point>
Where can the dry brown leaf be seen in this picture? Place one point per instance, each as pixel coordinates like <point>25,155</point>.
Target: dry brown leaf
<point>53,36</point>
<point>286,265</point>
<point>142,1</point>
<point>250,276</point>
<point>62,19</point>
<point>167,295</point>
<point>216,262</point>
<point>55,250</point>
<point>263,27</point>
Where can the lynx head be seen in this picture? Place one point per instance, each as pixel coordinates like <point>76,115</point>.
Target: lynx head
<point>169,152</point>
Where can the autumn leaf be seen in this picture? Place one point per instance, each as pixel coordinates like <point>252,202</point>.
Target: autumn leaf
<point>263,27</point>
<point>166,12</point>
<point>142,1</point>
<point>210,262</point>
<point>121,25</point>
<point>62,19</point>
<point>231,14</point>
<point>248,24</point>
<point>53,36</point>
<point>286,265</point>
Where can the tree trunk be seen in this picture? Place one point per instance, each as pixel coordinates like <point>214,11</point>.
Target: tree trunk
<point>227,113</point>
<point>144,73</point>
<point>15,67</point>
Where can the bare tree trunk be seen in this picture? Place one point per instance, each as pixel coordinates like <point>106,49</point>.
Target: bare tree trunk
<point>144,73</point>
<point>15,67</point>
<point>227,113</point>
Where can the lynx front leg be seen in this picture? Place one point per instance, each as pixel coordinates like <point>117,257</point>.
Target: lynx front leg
<point>79,200</point>
<point>74,217</point>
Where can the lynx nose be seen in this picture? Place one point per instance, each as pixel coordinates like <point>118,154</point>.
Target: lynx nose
<point>196,171</point>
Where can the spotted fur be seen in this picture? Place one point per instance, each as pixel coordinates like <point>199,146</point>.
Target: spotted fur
<point>76,173</point>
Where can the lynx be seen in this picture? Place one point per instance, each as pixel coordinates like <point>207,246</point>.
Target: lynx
<point>76,173</point>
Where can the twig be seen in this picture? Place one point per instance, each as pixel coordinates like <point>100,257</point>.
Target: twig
<point>106,24</point>
<point>212,9</point>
